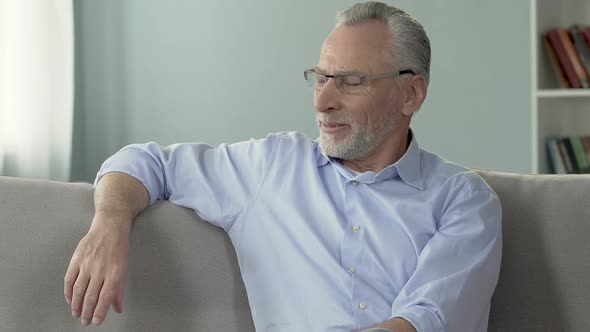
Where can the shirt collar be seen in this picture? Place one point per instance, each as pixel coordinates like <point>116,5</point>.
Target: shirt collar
<point>408,167</point>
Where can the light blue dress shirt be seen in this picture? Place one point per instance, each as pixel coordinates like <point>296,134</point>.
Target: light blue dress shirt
<point>322,248</point>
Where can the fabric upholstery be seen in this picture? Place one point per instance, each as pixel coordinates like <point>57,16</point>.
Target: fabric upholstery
<point>184,274</point>
<point>545,276</point>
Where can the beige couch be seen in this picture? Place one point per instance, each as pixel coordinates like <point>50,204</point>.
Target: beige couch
<point>184,275</point>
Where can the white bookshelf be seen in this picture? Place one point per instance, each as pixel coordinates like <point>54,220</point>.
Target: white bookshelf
<point>563,93</point>
<point>555,112</point>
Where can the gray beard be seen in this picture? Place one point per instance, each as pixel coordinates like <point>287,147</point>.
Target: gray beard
<point>358,145</point>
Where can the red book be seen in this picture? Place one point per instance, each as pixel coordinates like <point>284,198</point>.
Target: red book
<point>570,49</point>
<point>586,33</point>
<point>557,67</point>
<point>581,47</point>
<point>564,60</point>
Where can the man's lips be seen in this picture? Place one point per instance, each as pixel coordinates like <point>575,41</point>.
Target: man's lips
<point>332,127</point>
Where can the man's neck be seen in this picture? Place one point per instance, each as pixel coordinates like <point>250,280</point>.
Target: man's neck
<point>385,154</point>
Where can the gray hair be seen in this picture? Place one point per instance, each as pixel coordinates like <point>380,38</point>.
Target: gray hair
<point>410,44</point>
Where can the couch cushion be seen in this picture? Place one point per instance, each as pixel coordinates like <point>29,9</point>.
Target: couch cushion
<point>544,283</point>
<point>545,277</point>
<point>183,271</point>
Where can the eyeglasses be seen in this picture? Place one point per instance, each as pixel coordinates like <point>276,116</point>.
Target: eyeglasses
<point>346,83</point>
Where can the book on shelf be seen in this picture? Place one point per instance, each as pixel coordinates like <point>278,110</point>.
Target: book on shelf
<point>586,142</point>
<point>569,54</point>
<point>568,155</point>
<point>556,162</point>
<point>586,33</point>
<point>557,67</point>
<point>579,154</point>
<point>581,46</point>
<point>564,156</point>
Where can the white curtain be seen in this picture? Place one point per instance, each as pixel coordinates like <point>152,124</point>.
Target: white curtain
<point>36,88</point>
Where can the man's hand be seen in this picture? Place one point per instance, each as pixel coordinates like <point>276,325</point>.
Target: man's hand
<point>396,324</point>
<point>97,274</point>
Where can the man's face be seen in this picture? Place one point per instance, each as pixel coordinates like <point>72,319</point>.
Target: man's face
<point>354,125</point>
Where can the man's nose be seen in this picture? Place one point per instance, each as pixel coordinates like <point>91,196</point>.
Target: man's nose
<point>328,97</point>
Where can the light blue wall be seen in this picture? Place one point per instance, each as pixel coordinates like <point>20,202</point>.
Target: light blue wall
<point>224,71</point>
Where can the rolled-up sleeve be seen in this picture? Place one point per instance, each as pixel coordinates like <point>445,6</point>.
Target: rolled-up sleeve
<point>216,182</point>
<point>458,269</point>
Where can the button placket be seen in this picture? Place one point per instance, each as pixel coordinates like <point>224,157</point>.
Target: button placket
<point>354,237</point>
<point>352,245</point>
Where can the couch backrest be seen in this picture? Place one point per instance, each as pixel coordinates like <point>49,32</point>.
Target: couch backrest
<point>183,271</point>
<point>545,276</point>
<point>184,275</point>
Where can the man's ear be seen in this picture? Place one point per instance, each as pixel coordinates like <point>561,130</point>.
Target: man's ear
<point>414,94</point>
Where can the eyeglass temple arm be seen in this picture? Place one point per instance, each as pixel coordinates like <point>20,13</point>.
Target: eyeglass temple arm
<point>402,72</point>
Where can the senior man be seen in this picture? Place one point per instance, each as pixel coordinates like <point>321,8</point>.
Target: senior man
<point>358,229</point>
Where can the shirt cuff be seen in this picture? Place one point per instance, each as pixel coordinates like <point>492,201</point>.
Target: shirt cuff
<point>143,172</point>
<point>422,319</point>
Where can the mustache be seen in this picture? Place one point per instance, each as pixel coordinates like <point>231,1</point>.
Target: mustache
<point>326,118</point>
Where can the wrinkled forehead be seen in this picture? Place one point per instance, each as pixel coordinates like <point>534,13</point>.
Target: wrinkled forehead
<point>363,47</point>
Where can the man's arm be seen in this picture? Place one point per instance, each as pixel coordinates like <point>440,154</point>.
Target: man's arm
<point>96,276</point>
<point>217,183</point>
<point>457,270</point>
<point>394,325</point>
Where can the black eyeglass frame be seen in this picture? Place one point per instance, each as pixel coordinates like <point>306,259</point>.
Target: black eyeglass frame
<point>363,78</point>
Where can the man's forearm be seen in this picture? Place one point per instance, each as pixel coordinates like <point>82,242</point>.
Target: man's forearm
<point>97,274</point>
<point>394,325</point>
<point>121,195</point>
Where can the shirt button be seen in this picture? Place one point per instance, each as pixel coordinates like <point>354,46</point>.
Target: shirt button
<point>356,228</point>
<point>363,306</point>
<point>351,269</point>
<point>355,183</point>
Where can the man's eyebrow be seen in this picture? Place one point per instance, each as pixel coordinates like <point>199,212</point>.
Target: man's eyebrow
<point>341,72</point>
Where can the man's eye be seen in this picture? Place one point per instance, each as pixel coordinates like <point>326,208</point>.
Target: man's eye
<point>351,80</point>
<point>321,79</point>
